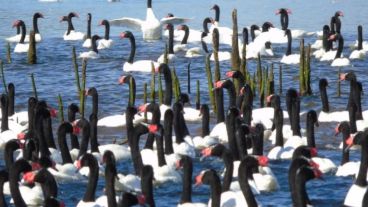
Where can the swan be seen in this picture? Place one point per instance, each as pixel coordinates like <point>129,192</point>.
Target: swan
<point>289,58</point>
<point>325,115</point>
<point>92,54</point>
<point>16,37</point>
<point>106,42</point>
<point>284,18</point>
<point>346,168</point>
<point>141,65</point>
<point>225,33</point>
<point>170,53</point>
<point>119,120</point>
<point>151,27</point>
<point>88,41</point>
<point>204,140</point>
<point>359,53</point>
<point>339,60</point>
<point>323,45</point>
<point>355,195</point>
<point>186,164</point>
<point>21,46</point>
<point>71,34</point>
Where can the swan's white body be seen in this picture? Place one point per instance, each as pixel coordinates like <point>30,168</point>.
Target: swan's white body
<point>204,142</point>
<point>170,58</point>
<point>21,48</point>
<point>31,196</point>
<point>328,56</point>
<point>291,59</point>
<point>128,183</point>
<point>140,66</point>
<point>73,35</point>
<point>89,55</point>
<point>354,197</point>
<point>280,153</point>
<point>222,56</point>
<point>118,120</point>
<point>87,43</point>
<point>120,152</point>
<point>105,44</point>
<point>348,169</point>
<point>337,116</point>
<point>357,54</point>
<point>325,164</point>
<point>65,173</point>
<point>339,62</point>
<point>19,117</point>
<point>219,131</point>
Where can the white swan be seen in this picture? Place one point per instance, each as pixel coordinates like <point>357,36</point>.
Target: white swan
<point>289,58</point>
<point>71,34</point>
<point>151,27</point>
<point>339,60</point>
<point>21,46</point>
<point>141,65</point>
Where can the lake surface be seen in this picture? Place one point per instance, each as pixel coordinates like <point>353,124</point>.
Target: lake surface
<point>54,74</point>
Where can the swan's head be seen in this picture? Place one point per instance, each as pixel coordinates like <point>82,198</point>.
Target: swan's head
<point>283,11</point>
<point>169,26</point>
<point>38,15</point>
<point>215,7</point>
<point>245,89</point>
<point>339,14</point>
<point>266,26</point>
<point>103,22</point>
<point>312,115</point>
<point>182,27</point>
<point>73,14</point>
<point>89,17</point>
<point>126,34</point>
<point>323,83</point>
<point>169,15</point>
<point>17,23</point>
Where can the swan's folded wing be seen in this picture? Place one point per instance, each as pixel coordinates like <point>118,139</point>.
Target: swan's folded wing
<point>174,20</point>
<point>127,22</point>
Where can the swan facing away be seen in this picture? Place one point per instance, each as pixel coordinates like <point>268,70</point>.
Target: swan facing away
<point>151,27</point>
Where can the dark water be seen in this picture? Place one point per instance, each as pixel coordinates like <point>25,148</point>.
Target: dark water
<point>54,74</point>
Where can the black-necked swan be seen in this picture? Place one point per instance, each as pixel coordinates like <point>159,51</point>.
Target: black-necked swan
<point>170,46</point>
<point>71,34</point>
<point>359,52</point>
<point>289,58</point>
<point>364,43</point>
<point>21,46</point>
<point>88,41</point>
<point>140,65</point>
<point>354,197</point>
<point>339,60</point>
<point>204,140</point>
<point>93,53</point>
<point>89,199</point>
<point>326,115</point>
<point>105,42</point>
<point>23,195</point>
<point>15,117</point>
<point>284,19</point>
<point>346,167</point>
<point>225,32</point>
<point>323,45</point>
<point>16,37</point>
<point>186,196</point>
<point>151,27</point>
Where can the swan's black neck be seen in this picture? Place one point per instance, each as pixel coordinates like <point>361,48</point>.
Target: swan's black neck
<point>11,95</point>
<point>303,174</point>
<point>4,176</point>
<point>325,41</point>
<point>18,167</point>
<point>295,164</point>
<point>18,29</point>
<point>48,183</point>
<point>171,39</point>
<point>219,105</point>
<point>360,37</point>
<point>179,123</point>
<point>340,46</point>
<point>186,196</point>
<point>64,150</point>
<point>211,178</point>
<point>94,44</point>
<point>70,25</point>
<point>205,25</point>
<point>284,17</point>
<point>345,135</point>
<point>257,140</point>
<point>10,147</point>
<point>72,110</point>
<point>332,25</point>
<point>245,36</point>
<point>289,38</point>
<point>107,30</point>
<point>149,3</point>
<point>135,153</point>
<point>91,162</point>
<point>247,106</point>
<point>86,131</point>
<point>49,135</point>
<point>310,132</point>
<point>229,85</point>
<point>241,143</point>
<point>244,175</point>
<point>186,35</point>
<point>205,120</point>
<point>231,129</point>
<point>229,165</point>
<point>160,149</point>
<point>362,173</point>
<point>165,70</point>
<point>352,118</point>
<point>93,133</point>
<point>132,49</point>
<point>4,112</point>
<point>168,123</point>
<point>110,174</point>
<point>279,122</point>
<point>252,33</point>
<point>147,186</point>
<point>324,99</point>
<point>89,20</point>
<point>24,31</point>
<point>217,13</point>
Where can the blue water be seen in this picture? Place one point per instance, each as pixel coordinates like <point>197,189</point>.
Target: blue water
<point>54,74</point>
